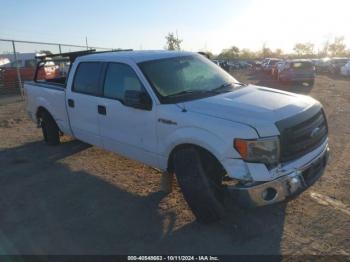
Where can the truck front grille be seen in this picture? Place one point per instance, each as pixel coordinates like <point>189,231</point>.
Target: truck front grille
<point>302,133</point>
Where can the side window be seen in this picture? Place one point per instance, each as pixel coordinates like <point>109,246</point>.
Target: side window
<point>87,78</point>
<point>119,78</point>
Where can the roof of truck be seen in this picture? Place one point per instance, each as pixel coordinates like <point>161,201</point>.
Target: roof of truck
<point>137,56</point>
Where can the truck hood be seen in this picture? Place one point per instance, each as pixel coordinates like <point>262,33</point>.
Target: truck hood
<point>256,106</point>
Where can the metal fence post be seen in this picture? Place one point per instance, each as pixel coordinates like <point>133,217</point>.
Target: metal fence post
<point>17,68</point>
<point>18,57</point>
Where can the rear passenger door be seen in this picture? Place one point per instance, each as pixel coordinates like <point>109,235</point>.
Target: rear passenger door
<point>126,130</point>
<point>82,102</point>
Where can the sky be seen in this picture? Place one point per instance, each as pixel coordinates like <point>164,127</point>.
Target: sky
<point>203,25</point>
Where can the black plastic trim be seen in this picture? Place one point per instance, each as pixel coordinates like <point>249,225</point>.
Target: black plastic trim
<point>295,139</point>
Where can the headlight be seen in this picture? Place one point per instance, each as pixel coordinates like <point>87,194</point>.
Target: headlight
<point>265,150</point>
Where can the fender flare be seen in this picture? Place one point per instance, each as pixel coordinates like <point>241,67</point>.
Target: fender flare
<point>42,103</point>
<point>200,138</point>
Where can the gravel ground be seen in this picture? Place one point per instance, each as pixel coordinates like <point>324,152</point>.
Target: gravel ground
<point>78,199</point>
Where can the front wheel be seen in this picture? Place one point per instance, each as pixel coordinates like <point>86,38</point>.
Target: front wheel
<point>200,178</point>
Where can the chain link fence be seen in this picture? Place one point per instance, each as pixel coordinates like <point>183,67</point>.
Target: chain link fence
<point>18,63</point>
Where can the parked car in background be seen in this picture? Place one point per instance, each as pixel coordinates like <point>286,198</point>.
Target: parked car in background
<point>26,65</point>
<point>217,62</point>
<point>315,61</point>
<point>264,61</point>
<point>276,68</point>
<point>322,65</point>
<point>280,67</point>
<point>345,69</point>
<point>256,66</point>
<point>298,70</point>
<point>233,65</point>
<point>244,64</point>
<point>8,68</point>
<point>224,65</point>
<point>336,63</point>
<point>269,65</point>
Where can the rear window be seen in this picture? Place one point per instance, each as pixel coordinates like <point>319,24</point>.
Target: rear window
<point>302,65</point>
<point>87,78</point>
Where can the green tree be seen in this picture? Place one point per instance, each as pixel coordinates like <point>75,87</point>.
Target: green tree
<point>325,50</point>
<point>207,54</point>
<point>246,53</point>
<point>265,51</point>
<point>173,42</point>
<point>278,53</point>
<point>338,47</point>
<point>210,54</point>
<point>304,49</point>
<point>230,53</point>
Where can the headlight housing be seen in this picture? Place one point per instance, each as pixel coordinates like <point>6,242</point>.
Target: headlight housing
<point>264,150</point>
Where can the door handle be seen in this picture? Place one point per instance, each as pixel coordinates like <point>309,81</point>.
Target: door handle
<point>70,102</point>
<point>101,110</point>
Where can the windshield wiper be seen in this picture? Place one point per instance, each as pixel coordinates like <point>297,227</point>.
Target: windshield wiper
<point>186,92</point>
<point>220,89</point>
<point>240,84</point>
<point>224,87</point>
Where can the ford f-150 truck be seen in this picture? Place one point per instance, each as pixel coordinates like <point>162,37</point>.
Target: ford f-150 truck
<point>182,114</point>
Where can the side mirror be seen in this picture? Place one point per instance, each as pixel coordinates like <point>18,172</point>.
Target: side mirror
<point>137,99</point>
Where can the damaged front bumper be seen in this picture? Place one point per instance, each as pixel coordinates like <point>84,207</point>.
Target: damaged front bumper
<point>289,185</point>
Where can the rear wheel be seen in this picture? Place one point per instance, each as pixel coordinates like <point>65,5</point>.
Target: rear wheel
<point>200,177</point>
<point>49,128</point>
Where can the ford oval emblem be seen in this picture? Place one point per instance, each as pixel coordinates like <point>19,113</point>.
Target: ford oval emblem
<point>315,132</point>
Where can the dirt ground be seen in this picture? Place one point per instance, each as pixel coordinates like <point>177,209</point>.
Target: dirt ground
<point>78,199</point>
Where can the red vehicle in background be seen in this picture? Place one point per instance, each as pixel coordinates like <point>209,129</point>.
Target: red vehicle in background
<point>26,64</point>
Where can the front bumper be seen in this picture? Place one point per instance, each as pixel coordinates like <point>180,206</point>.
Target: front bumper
<point>287,186</point>
<point>300,77</point>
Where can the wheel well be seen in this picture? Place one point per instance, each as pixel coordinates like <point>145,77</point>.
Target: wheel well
<point>204,154</point>
<point>40,111</point>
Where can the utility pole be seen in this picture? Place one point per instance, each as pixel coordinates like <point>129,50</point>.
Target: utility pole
<point>86,42</point>
<point>17,69</point>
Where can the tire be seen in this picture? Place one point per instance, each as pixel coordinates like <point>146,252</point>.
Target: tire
<point>200,178</point>
<point>50,129</point>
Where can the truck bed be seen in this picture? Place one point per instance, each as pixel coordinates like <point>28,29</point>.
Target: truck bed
<point>51,96</point>
<point>51,84</point>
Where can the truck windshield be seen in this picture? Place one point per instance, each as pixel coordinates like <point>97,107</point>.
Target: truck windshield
<point>187,77</point>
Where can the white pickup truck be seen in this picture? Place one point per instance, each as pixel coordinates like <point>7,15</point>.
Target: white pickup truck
<point>181,113</point>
